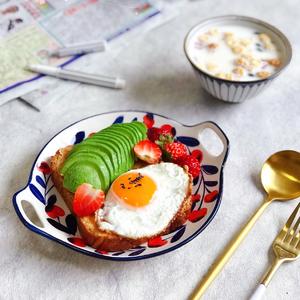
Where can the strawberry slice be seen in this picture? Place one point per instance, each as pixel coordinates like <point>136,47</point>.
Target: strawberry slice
<point>148,151</point>
<point>87,200</point>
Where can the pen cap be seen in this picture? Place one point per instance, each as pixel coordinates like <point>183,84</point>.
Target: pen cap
<point>120,83</point>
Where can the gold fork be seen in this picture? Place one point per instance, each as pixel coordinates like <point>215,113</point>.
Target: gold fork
<point>286,247</point>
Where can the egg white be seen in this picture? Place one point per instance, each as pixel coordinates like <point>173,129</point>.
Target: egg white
<point>172,184</point>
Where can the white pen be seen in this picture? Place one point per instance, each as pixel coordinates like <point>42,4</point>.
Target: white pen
<point>101,80</point>
<point>79,49</point>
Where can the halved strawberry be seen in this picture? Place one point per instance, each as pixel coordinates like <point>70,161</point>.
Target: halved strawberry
<point>87,200</point>
<point>148,151</point>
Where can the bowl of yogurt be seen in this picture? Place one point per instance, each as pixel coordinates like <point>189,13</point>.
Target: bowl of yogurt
<point>236,57</point>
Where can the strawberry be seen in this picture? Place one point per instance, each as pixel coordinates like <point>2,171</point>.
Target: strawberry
<point>175,151</point>
<point>153,134</point>
<point>192,163</point>
<point>161,135</point>
<point>166,129</point>
<point>148,151</point>
<point>148,120</point>
<point>87,200</point>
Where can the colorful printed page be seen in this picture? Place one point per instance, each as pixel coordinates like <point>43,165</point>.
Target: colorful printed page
<point>30,28</point>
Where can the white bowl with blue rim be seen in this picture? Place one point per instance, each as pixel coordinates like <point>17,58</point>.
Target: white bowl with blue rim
<point>234,91</point>
<point>55,221</point>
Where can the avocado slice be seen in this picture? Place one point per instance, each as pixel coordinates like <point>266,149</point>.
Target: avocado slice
<point>138,132</point>
<point>94,155</point>
<point>125,144</point>
<point>122,145</point>
<point>135,132</point>
<point>129,134</point>
<point>129,131</point>
<point>114,148</point>
<point>130,139</point>
<point>99,166</point>
<point>127,158</point>
<point>141,127</point>
<point>111,157</point>
<point>88,174</point>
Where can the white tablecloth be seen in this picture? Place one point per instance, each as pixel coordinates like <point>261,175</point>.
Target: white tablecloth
<point>161,80</point>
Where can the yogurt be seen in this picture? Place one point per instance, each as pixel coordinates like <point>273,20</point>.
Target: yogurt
<point>234,52</point>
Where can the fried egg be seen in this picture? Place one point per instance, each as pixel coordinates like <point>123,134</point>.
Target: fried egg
<point>142,202</point>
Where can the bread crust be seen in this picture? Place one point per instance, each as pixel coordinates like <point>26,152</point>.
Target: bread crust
<point>88,228</point>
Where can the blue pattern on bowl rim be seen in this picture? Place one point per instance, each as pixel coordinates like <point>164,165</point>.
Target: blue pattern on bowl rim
<point>60,225</point>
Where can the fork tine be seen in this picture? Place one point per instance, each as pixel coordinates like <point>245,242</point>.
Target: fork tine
<point>295,228</point>
<point>298,246</point>
<point>295,233</point>
<point>291,234</point>
<point>288,224</point>
<point>296,240</point>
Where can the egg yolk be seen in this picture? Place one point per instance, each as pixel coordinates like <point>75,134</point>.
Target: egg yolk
<point>134,189</point>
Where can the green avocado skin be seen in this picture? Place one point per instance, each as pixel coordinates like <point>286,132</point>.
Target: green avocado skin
<point>101,158</point>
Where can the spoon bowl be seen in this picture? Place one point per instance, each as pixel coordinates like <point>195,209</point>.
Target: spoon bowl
<point>280,175</point>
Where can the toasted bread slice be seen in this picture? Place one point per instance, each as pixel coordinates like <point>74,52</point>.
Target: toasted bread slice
<point>89,230</point>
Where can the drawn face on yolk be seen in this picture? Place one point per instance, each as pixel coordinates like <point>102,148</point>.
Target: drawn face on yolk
<point>134,189</point>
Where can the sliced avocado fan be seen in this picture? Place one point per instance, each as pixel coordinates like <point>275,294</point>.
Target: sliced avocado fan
<point>101,158</point>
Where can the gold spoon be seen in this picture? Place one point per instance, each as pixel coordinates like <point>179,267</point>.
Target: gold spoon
<point>280,177</point>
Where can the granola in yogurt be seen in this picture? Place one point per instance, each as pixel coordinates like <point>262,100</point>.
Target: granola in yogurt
<point>235,52</point>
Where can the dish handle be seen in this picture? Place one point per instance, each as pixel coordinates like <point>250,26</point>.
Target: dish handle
<point>31,215</point>
<point>219,136</point>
